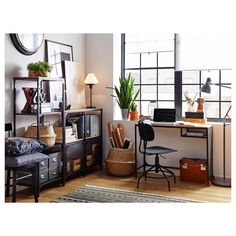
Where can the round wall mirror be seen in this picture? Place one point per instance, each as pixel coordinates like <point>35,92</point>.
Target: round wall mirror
<point>27,44</point>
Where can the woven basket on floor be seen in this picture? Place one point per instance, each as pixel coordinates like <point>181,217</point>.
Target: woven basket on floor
<point>120,162</point>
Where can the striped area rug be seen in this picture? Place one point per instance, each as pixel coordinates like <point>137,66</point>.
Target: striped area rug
<point>90,194</point>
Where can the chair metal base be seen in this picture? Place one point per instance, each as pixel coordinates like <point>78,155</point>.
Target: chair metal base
<point>158,168</point>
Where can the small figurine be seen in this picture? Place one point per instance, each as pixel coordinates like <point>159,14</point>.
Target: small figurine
<point>200,102</point>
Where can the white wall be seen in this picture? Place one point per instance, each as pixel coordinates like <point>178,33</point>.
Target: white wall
<point>99,60</point>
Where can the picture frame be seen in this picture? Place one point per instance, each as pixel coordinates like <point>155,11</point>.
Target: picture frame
<point>56,53</point>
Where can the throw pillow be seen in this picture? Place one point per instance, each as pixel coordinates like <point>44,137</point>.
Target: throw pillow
<point>23,146</point>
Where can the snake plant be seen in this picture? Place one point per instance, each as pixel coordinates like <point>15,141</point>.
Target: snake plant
<point>125,93</point>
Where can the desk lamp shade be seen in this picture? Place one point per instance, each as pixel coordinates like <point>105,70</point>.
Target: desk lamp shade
<point>90,80</point>
<point>206,88</point>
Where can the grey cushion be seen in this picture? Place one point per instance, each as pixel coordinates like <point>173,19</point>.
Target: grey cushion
<point>18,161</point>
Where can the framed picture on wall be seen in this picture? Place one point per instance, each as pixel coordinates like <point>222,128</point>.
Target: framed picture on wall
<point>56,53</point>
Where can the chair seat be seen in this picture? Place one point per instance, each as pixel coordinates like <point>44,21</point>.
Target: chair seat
<point>158,150</point>
<point>19,161</point>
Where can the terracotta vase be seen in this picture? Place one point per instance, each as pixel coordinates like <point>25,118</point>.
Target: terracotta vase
<point>133,115</point>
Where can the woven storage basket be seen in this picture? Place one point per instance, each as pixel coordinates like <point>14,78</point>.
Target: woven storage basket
<point>47,134</point>
<point>120,162</point>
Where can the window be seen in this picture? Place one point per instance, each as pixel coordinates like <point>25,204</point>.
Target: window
<point>153,59</point>
<point>218,101</point>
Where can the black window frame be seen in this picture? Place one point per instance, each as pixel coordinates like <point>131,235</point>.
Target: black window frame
<point>178,74</point>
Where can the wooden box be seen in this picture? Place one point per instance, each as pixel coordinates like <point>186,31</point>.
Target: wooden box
<point>75,165</point>
<point>193,170</point>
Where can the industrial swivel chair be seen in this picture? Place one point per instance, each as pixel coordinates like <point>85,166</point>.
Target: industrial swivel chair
<point>146,134</point>
<point>23,166</point>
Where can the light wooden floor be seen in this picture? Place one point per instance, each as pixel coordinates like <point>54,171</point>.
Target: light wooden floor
<point>180,189</point>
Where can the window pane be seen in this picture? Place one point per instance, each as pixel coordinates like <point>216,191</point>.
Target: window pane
<point>148,60</point>
<point>148,92</point>
<point>149,76</point>
<point>166,105</point>
<point>211,109</point>
<point>225,94</point>
<point>224,109</point>
<point>226,76</point>
<point>165,59</point>
<point>165,92</point>
<point>145,108</point>
<point>149,42</point>
<point>166,76</point>
<point>136,88</point>
<point>190,77</point>
<point>132,60</point>
<point>213,74</point>
<point>135,75</point>
<point>193,91</point>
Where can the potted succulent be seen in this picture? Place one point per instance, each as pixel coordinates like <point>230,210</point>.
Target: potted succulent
<point>39,69</point>
<point>125,95</point>
<point>133,114</point>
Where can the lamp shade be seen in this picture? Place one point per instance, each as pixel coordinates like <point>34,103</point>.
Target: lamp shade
<point>91,79</point>
<point>206,88</point>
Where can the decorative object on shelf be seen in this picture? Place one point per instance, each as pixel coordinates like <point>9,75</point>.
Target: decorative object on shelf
<point>39,69</point>
<point>47,134</point>
<point>90,80</point>
<point>56,53</point>
<point>27,44</point>
<point>125,95</point>
<point>220,181</point>
<point>190,101</point>
<point>133,114</point>
<point>29,95</point>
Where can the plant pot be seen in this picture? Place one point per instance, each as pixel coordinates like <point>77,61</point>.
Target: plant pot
<point>125,114</point>
<point>33,74</point>
<point>133,115</point>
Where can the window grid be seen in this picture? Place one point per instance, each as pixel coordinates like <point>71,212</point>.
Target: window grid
<point>219,85</point>
<point>177,86</point>
<point>141,85</point>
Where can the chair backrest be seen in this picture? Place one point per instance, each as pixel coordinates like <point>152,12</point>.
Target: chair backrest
<point>146,131</point>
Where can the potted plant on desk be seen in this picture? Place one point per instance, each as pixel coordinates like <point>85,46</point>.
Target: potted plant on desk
<point>133,114</point>
<point>125,95</point>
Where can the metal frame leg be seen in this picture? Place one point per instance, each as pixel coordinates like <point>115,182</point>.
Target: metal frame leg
<point>14,185</point>
<point>7,193</point>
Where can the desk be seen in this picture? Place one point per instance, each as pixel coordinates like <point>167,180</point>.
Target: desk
<point>203,131</point>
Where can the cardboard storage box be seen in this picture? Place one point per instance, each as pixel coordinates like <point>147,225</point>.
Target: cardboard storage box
<point>193,170</point>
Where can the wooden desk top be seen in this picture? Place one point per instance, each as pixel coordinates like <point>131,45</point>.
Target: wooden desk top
<point>180,124</point>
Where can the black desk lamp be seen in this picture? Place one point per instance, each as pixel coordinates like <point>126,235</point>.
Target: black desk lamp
<point>219,181</point>
<point>91,80</point>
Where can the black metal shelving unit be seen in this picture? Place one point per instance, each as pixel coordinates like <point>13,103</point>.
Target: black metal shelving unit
<point>45,173</point>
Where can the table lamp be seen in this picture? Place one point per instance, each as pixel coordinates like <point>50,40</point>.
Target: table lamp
<point>91,80</point>
<point>219,181</point>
